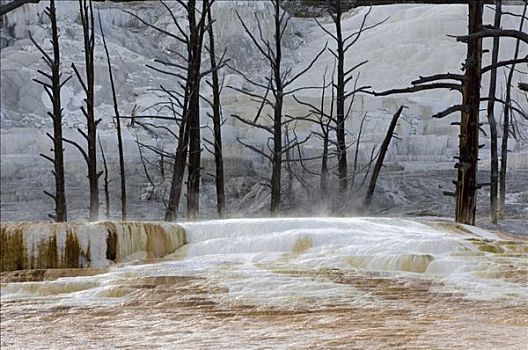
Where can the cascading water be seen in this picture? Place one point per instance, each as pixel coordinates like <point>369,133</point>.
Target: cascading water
<point>304,283</point>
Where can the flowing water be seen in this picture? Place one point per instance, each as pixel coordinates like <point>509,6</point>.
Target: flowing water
<point>352,283</point>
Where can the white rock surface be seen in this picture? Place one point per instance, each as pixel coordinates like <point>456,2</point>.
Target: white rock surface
<point>411,43</point>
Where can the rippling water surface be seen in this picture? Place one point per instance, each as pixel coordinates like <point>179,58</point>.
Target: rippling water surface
<point>296,283</point>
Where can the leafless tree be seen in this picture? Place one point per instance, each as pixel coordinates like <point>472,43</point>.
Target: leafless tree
<point>491,118</point>
<point>189,138</point>
<point>383,150</point>
<point>53,90</point>
<point>336,9</point>
<point>122,175</point>
<point>196,36</point>
<point>217,120</point>
<point>87,84</point>
<point>279,84</point>
<point>327,123</point>
<point>468,85</point>
<point>507,115</point>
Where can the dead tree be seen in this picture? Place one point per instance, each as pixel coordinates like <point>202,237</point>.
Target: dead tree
<point>278,83</point>
<point>217,122</point>
<point>277,112</point>
<point>53,90</point>
<point>196,35</point>
<point>491,118</point>
<point>469,87</point>
<point>506,120</point>
<point>325,121</point>
<point>87,84</point>
<point>381,157</point>
<point>336,9</point>
<point>466,193</point>
<point>118,129</point>
<point>189,138</point>
<point>340,94</point>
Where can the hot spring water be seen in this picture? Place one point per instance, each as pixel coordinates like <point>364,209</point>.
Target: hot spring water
<point>304,283</point>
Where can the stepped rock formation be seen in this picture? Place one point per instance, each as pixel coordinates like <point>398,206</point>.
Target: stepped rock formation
<point>94,245</point>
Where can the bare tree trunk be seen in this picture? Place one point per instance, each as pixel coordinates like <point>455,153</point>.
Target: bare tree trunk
<point>217,123</point>
<point>180,158</point>
<point>469,85</point>
<point>466,193</point>
<point>54,93</point>
<point>381,157</point>
<point>189,131</point>
<point>93,175</point>
<point>106,182</point>
<point>277,118</point>
<point>193,177</point>
<point>58,148</point>
<point>178,172</point>
<point>87,20</point>
<point>491,118</point>
<point>504,147</point>
<point>278,84</point>
<point>344,43</point>
<point>118,129</point>
<point>189,138</point>
<point>277,162</point>
<point>195,41</point>
<point>506,127</point>
<point>340,107</point>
